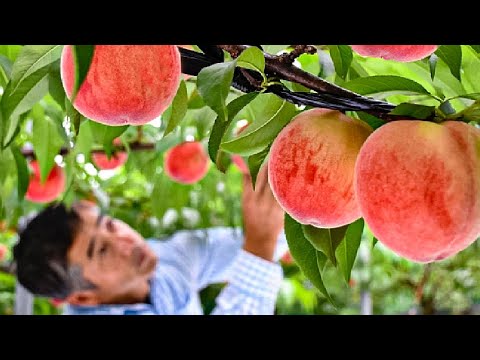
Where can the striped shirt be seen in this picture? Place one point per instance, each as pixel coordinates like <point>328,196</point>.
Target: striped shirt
<point>189,261</point>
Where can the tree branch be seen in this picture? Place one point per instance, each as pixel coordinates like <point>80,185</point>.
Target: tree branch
<point>327,95</point>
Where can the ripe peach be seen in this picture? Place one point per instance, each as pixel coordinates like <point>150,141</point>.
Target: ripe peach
<point>3,252</point>
<point>187,162</point>
<point>418,186</point>
<point>311,167</point>
<point>126,84</point>
<point>39,192</point>
<point>117,159</point>
<point>401,53</point>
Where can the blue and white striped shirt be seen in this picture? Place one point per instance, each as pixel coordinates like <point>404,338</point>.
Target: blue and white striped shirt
<point>190,261</point>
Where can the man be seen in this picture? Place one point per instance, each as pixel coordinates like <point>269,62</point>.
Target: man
<point>100,265</point>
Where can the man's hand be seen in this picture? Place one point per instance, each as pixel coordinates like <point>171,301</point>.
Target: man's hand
<point>262,216</point>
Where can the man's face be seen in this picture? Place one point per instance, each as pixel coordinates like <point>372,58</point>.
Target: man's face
<point>112,256</point>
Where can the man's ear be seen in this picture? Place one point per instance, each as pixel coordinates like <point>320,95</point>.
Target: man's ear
<point>83,298</point>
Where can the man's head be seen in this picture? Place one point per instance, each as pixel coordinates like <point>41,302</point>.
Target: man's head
<point>83,256</point>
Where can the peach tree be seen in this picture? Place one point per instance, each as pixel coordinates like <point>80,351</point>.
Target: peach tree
<point>364,143</point>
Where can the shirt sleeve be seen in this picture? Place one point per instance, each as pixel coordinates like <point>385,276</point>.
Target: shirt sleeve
<point>252,288</point>
<point>216,255</point>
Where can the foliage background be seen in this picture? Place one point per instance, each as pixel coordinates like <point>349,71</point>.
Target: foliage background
<point>41,118</point>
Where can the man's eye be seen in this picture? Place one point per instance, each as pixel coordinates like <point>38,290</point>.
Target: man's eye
<point>110,224</point>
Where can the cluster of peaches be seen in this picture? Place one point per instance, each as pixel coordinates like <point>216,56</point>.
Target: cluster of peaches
<point>415,183</point>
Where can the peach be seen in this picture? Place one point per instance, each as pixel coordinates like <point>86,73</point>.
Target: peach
<point>187,163</point>
<point>401,53</point>
<point>3,252</point>
<point>117,159</point>
<point>126,84</point>
<point>39,192</point>
<point>417,185</point>
<point>311,167</point>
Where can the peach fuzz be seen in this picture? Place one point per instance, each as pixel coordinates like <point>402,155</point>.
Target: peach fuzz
<point>418,186</point>
<point>48,191</point>
<point>117,159</point>
<point>187,163</point>
<point>311,167</point>
<point>401,53</point>
<point>126,84</point>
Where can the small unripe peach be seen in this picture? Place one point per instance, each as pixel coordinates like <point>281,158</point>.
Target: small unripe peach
<point>39,192</point>
<point>117,159</point>
<point>401,53</point>
<point>126,84</point>
<point>311,167</point>
<point>187,163</point>
<point>418,186</point>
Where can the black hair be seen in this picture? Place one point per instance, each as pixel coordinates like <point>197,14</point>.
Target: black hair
<point>40,255</point>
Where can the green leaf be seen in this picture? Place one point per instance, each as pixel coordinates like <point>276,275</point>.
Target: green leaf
<point>255,162</point>
<point>21,98</point>
<point>47,142</point>
<point>347,250</point>
<point>31,59</point>
<point>252,58</point>
<point>5,70</point>
<point>22,172</point>
<point>213,83</point>
<point>274,49</point>
<point>321,261</point>
<point>304,254</point>
<point>195,101</point>
<point>432,63</point>
<point>342,57</point>
<point>273,114</point>
<point>55,86</point>
<point>325,240</point>
<point>67,197</point>
<point>104,134</point>
<point>219,127</point>
<point>371,120</point>
<point>74,116</point>
<point>178,109</point>
<point>84,140</point>
<point>82,55</point>
<point>374,241</point>
<point>414,110</point>
<point>11,51</point>
<point>310,63</point>
<point>476,48</point>
<point>384,85</point>
<point>452,56</point>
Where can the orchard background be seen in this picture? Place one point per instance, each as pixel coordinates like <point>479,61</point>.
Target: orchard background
<point>223,89</point>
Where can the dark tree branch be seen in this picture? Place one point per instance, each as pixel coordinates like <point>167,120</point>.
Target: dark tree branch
<point>326,94</point>
<point>289,58</point>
